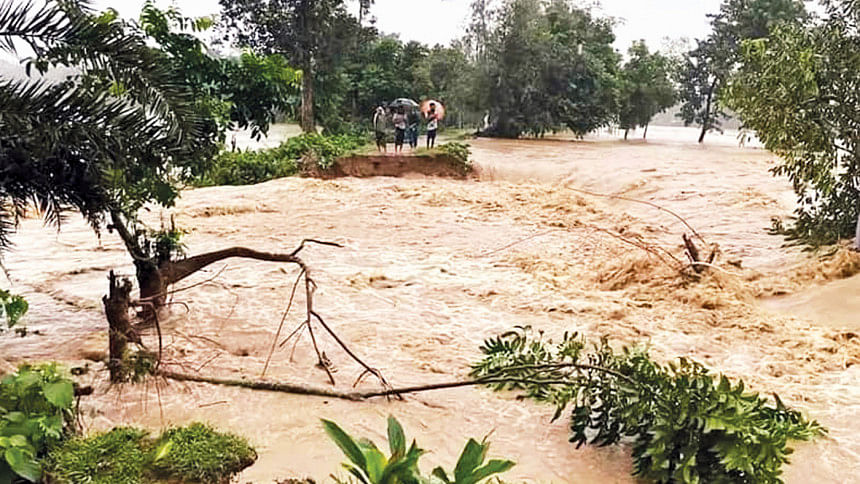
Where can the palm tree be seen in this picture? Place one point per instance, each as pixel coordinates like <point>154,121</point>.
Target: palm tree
<point>95,141</point>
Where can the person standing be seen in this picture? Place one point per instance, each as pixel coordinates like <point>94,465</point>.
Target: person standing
<point>412,131</point>
<point>379,129</point>
<point>399,120</point>
<point>432,125</point>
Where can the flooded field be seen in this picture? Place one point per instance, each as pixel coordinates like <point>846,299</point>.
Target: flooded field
<point>432,267</point>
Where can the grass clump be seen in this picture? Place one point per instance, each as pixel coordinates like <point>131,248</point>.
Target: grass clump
<point>115,457</point>
<point>193,454</point>
<point>198,453</point>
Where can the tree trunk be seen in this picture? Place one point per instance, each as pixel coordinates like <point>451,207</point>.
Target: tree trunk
<point>706,121</point>
<point>626,132</point>
<point>154,285</point>
<point>645,134</point>
<point>307,110</point>
<point>120,330</point>
<point>857,234</point>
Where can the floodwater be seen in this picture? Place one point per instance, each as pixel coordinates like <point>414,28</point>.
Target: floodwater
<point>432,267</point>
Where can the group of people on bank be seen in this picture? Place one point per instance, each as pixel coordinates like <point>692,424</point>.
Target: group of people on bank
<point>406,119</point>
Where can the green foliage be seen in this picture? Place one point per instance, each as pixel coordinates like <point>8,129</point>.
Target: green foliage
<point>686,425</point>
<point>706,69</point>
<point>369,465</point>
<point>115,457</point>
<point>35,410</point>
<point>249,167</point>
<point>197,453</point>
<point>549,66</point>
<point>125,455</point>
<point>470,468</point>
<point>243,92</point>
<point>459,152</point>
<point>12,308</point>
<point>646,88</point>
<point>246,168</point>
<point>796,90</point>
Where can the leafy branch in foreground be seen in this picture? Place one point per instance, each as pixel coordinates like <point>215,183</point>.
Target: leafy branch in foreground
<point>369,465</point>
<point>685,424</point>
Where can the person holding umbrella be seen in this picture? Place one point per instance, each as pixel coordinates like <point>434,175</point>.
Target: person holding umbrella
<point>433,111</point>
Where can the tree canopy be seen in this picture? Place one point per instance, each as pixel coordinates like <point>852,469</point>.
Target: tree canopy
<point>127,126</point>
<point>706,68</point>
<point>646,87</point>
<point>549,66</point>
<point>798,91</point>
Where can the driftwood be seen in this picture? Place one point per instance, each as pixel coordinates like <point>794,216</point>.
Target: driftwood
<point>692,252</point>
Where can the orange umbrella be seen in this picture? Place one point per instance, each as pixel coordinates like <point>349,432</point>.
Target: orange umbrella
<point>440,109</point>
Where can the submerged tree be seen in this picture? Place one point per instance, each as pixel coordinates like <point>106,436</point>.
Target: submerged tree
<point>646,88</point>
<point>798,91</point>
<point>550,66</point>
<point>706,69</point>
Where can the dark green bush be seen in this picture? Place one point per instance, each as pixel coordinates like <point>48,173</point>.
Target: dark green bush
<point>685,424</point>
<point>459,151</point>
<point>246,168</point>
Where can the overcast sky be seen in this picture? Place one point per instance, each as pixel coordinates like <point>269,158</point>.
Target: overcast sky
<point>439,21</point>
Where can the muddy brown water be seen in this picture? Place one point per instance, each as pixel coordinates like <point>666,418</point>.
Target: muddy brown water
<point>430,268</point>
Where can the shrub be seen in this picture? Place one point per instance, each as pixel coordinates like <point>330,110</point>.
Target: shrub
<point>197,453</point>
<point>685,424</point>
<point>459,152</point>
<point>35,411</point>
<point>250,167</point>
<point>115,457</point>
<point>246,168</point>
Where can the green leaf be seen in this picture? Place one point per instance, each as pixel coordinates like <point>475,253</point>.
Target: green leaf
<point>376,462</point>
<point>18,441</point>
<point>346,443</point>
<point>396,439</point>
<point>440,473</point>
<point>471,457</point>
<point>494,466</point>
<point>23,465</point>
<point>15,417</point>
<point>61,394</point>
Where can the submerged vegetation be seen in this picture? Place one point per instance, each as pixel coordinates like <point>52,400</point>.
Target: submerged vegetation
<point>684,423</point>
